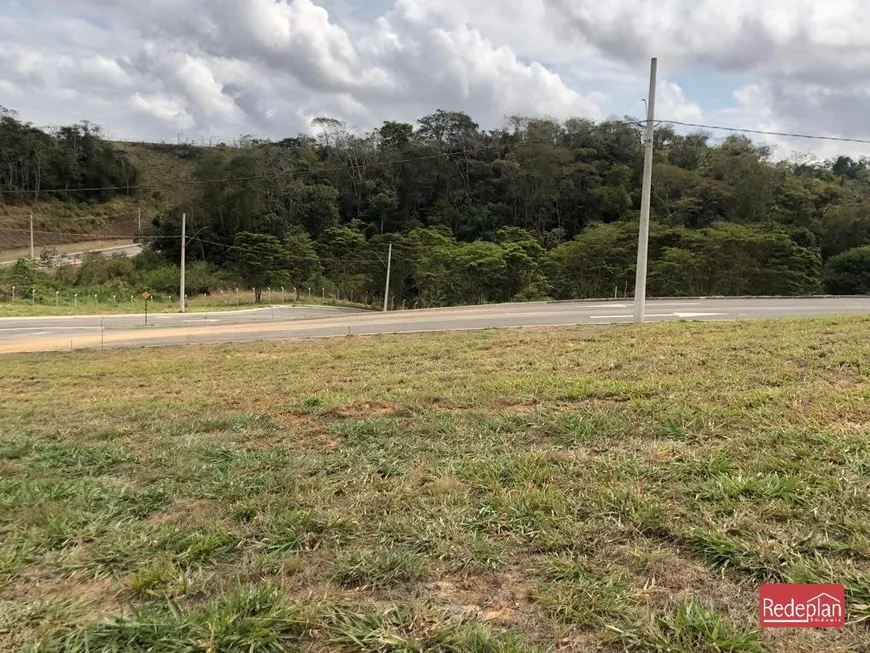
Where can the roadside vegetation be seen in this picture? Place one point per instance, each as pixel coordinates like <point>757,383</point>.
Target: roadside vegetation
<point>119,284</point>
<point>535,209</point>
<point>604,488</point>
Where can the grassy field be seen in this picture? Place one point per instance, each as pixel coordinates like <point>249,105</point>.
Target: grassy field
<point>199,304</point>
<point>576,489</point>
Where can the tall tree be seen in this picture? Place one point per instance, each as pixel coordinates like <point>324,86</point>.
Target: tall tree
<point>261,261</point>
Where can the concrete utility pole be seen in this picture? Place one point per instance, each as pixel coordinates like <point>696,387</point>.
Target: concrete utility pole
<point>139,218</point>
<point>183,254</point>
<point>643,236</point>
<point>32,254</point>
<point>387,287</point>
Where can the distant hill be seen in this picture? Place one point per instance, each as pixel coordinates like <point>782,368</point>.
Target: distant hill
<point>164,173</point>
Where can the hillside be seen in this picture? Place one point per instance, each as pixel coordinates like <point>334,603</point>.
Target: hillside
<point>163,168</point>
<point>541,209</point>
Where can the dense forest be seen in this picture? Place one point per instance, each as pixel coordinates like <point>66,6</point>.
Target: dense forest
<point>533,210</point>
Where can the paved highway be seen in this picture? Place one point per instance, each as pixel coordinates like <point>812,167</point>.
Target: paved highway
<point>275,323</point>
<point>75,258</point>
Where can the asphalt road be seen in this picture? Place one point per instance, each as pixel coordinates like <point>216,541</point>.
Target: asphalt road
<point>75,258</point>
<point>275,323</point>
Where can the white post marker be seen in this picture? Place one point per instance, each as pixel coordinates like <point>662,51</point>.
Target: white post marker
<point>387,286</point>
<point>643,235</point>
<point>32,254</point>
<point>182,296</point>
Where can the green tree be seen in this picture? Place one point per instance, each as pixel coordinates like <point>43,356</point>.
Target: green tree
<point>434,272</point>
<point>481,271</point>
<point>261,261</point>
<point>303,264</point>
<point>678,272</point>
<point>595,263</point>
<point>395,136</point>
<point>849,273</point>
<point>522,253</point>
<point>345,256</point>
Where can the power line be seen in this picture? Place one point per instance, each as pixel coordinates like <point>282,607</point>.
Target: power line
<point>83,233</point>
<point>741,130</point>
<point>374,259</point>
<point>24,216</point>
<point>356,259</point>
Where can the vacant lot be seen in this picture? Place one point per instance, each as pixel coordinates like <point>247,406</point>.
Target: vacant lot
<point>565,489</point>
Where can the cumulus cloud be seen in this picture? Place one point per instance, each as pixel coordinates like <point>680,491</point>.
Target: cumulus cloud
<point>162,108</point>
<point>671,103</point>
<point>811,58</point>
<point>742,35</point>
<point>151,68</point>
<point>105,71</point>
<point>266,66</point>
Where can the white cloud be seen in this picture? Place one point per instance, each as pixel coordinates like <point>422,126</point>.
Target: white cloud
<point>810,60</point>
<point>265,67</point>
<point>105,71</point>
<point>671,104</point>
<point>164,109</point>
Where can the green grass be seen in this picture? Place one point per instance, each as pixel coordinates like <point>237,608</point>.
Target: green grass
<point>86,305</point>
<point>602,488</point>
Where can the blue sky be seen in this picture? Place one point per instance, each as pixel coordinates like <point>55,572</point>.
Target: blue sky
<point>153,69</point>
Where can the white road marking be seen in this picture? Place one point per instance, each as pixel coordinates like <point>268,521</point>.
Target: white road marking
<point>681,315</point>
<point>619,317</point>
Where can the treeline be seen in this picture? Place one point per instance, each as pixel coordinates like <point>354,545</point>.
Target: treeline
<point>537,208</point>
<point>73,163</point>
<point>429,267</point>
